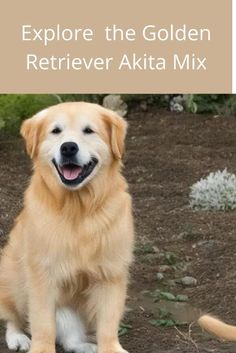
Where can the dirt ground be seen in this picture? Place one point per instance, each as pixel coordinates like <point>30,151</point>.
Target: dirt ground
<point>166,154</point>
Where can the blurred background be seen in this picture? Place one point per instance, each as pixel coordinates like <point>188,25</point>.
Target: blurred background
<point>16,107</point>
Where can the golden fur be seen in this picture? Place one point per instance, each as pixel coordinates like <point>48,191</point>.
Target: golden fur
<point>218,328</point>
<point>70,248</point>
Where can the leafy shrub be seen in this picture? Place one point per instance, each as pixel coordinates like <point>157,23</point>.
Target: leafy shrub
<point>151,99</point>
<point>230,106</point>
<point>216,192</point>
<point>211,103</point>
<point>14,108</point>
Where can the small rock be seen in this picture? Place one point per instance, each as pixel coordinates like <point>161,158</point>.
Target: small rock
<point>164,268</point>
<point>180,236</point>
<point>176,107</point>
<point>177,104</point>
<point>146,292</point>
<point>160,276</point>
<point>156,249</point>
<point>188,281</point>
<point>206,243</point>
<point>115,103</point>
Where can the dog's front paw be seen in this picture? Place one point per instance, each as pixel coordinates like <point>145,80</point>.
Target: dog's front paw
<point>17,341</point>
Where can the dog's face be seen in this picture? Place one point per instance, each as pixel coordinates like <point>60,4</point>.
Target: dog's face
<point>76,140</point>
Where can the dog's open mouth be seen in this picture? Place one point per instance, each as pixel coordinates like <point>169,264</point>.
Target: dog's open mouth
<point>72,173</point>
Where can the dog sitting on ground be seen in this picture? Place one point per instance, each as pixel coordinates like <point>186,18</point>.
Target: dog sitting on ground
<point>64,271</point>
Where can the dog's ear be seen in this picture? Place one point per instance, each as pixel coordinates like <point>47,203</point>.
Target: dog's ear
<point>30,130</point>
<point>117,128</point>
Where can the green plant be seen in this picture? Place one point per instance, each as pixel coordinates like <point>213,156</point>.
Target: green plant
<point>124,329</point>
<point>144,249</point>
<point>230,107</point>
<point>171,258</point>
<point>172,297</point>
<point>16,107</point>
<point>211,103</point>
<point>161,295</point>
<point>166,320</point>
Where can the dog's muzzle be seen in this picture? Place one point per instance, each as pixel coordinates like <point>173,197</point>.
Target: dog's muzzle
<point>69,169</point>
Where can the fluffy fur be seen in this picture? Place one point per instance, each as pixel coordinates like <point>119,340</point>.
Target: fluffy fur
<point>69,252</point>
<point>218,328</point>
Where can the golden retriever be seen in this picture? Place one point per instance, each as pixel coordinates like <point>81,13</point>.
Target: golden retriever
<point>64,271</point>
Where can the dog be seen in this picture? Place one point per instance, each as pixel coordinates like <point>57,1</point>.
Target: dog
<point>65,268</point>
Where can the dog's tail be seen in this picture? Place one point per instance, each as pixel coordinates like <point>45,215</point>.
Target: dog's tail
<point>218,328</point>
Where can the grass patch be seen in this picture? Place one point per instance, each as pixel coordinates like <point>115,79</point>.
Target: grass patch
<point>166,320</point>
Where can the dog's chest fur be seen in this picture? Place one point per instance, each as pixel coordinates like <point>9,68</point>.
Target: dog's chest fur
<point>91,245</point>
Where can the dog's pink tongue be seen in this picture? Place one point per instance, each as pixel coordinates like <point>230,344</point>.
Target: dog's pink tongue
<point>71,173</point>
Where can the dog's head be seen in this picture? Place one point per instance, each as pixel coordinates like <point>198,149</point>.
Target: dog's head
<point>75,140</point>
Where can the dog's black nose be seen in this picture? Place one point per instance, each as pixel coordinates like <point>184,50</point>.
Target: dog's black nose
<point>69,149</point>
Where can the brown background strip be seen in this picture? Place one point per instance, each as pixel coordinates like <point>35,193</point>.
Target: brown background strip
<point>212,14</point>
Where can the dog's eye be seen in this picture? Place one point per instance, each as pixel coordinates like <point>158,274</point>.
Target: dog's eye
<point>56,131</point>
<point>88,130</point>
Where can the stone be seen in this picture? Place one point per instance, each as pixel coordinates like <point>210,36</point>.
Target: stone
<point>115,103</point>
<point>160,276</point>
<point>189,281</point>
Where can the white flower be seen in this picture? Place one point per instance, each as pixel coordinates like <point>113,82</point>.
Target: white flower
<point>216,192</point>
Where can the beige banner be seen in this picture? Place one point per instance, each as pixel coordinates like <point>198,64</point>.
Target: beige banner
<point>47,46</point>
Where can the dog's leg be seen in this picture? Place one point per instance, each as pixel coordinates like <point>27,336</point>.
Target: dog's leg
<point>71,332</point>
<point>108,300</point>
<point>16,339</point>
<point>42,311</point>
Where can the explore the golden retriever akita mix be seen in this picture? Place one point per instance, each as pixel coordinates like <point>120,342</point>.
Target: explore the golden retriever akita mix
<point>64,271</point>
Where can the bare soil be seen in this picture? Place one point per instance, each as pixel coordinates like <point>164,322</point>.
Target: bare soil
<point>166,154</point>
